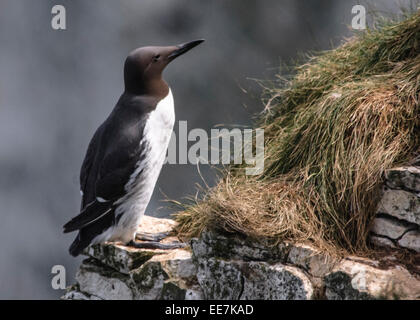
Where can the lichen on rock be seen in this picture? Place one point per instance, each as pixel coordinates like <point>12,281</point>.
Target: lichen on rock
<point>397,223</point>
<point>355,280</point>
<point>221,265</point>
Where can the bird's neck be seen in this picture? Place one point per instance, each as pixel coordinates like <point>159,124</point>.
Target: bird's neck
<point>156,87</point>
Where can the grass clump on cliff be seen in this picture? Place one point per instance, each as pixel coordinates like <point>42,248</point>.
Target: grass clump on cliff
<point>330,133</point>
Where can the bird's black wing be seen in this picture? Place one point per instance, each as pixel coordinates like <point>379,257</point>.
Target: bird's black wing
<point>123,150</point>
<point>119,167</point>
<point>85,171</point>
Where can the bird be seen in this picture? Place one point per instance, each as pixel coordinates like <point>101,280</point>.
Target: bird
<point>126,154</point>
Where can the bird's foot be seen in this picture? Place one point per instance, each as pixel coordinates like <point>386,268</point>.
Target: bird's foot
<point>156,245</point>
<point>155,237</point>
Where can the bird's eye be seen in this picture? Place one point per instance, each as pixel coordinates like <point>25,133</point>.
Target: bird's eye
<point>156,57</point>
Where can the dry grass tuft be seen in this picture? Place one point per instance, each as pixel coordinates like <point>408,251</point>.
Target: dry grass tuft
<point>330,133</point>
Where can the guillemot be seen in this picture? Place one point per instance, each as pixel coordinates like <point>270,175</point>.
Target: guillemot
<point>126,154</point>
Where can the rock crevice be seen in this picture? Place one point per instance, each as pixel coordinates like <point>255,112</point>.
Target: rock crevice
<point>397,224</point>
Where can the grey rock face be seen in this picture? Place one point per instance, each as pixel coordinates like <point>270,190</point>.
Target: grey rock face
<point>359,280</point>
<point>411,240</point>
<point>230,266</point>
<point>275,282</point>
<point>382,241</point>
<point>312,261</point>
<point>398,222</point>
<point>212,244</point>
<point>220,279</point>
<point>389,228</point>
<point>254,280</point>
<point>104,283</point>
<point>407,178</point>
<point>300,272</point>
<point>168,276</point>
<point>235,268</point>
<point>114,271</point>
<point>401,204</point>
<point>75,294</point>
<point>119,257</point>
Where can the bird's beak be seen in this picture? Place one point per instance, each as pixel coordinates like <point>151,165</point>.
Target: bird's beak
<point>182,48</point>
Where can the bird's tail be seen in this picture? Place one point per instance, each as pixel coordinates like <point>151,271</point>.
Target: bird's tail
<point>93,212</point>
<point>78,245</point>
<point>90,223</point>
<point>86,236</point>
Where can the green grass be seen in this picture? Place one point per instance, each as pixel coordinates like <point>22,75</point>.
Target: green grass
<point>330,133</point>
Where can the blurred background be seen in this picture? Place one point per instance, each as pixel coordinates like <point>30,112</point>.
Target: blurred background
<point>56,87</point>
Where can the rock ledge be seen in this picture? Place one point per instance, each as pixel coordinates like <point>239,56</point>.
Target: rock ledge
<point>222,266</point>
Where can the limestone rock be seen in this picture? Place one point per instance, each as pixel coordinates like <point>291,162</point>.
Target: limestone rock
<point>74,295</point>
<point>174,291</point>
<point>114,271</point>
<point>219,279</point>
<point>164,276</point>
<point>77,295</point>
<point>404,178</point>
<point>398,221</point>
<point>212,244</point>
<point>167,276</point>
<point>390,228</point>
<point>120,257</point>
<point>401,204</point>
<point>311,260</point>
<point>354,280</point>
<point>177,263</point>
<point>382,241</point>
<point>274,282</point>
<point>227,280</point>
<point>103,282</point>
<point>194,293</point>
<point>125,259</point>
<point>228,266</point>
<point>148,281</point>
<point>411,240</point>
<point>231,267</point>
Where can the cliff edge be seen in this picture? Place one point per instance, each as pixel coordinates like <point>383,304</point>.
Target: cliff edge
<point>218,265</point>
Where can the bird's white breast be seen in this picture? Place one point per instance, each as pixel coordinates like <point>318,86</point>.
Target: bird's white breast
<point>157,133</point>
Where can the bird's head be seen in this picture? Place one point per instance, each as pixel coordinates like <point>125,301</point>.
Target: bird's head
<point>144,66</point>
